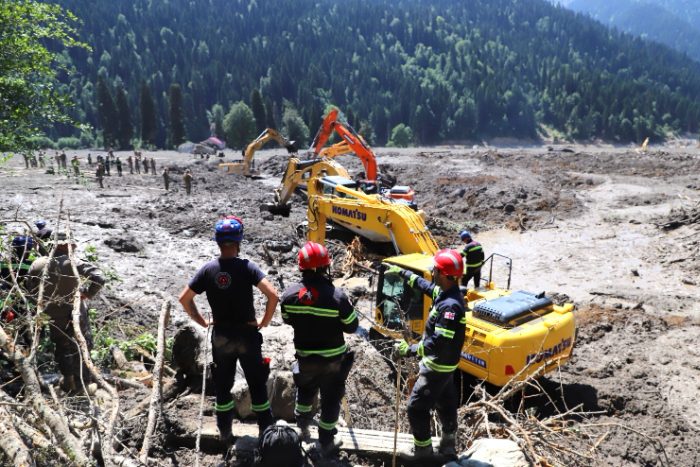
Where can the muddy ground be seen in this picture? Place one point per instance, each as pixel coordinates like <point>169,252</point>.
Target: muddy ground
<point>612,229</point>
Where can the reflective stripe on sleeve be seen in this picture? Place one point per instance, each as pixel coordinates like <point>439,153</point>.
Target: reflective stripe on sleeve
<point>444,332</point>
<point>352,317</point>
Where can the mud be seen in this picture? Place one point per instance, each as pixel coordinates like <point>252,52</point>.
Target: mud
<point>581,222</point>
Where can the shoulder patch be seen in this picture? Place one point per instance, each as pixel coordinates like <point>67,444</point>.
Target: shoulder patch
<point>307,296</point>
<point>449,315</point>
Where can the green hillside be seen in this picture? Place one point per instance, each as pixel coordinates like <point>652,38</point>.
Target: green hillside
<point>451,70</point>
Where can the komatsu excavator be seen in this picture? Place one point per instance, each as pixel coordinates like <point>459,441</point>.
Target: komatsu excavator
<point>509,335</point>
<point>244,167</point>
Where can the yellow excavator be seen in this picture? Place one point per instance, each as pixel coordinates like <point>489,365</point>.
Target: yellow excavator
<point>245,166</point>
<point>509,335</point>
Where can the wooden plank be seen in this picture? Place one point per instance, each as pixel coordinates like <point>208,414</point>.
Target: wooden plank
<point>355,440</point>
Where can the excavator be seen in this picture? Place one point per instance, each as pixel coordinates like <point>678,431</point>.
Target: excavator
<point>351,141</point>
<point>244,167</point>
<point>509,334</point>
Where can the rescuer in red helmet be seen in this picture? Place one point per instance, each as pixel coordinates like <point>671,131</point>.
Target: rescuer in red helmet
<point>440,350</point>
<point>319,313</point>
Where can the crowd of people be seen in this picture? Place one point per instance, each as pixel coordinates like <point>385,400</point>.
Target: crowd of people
<point>104,166</point>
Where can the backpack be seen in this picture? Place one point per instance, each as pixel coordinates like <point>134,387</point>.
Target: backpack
<point>279,446</point>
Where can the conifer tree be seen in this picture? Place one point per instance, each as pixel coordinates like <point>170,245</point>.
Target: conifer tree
<point>258,108</point>
<point>177,124</point>
<point>107,113</point>
<point>148,116</point>
<point>126,128</point>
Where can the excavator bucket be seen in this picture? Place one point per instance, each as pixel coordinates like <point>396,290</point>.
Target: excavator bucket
<point>277,209</point>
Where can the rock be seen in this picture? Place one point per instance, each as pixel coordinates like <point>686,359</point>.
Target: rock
<point>126,243</point>
<point>635,272</point>
<point>285,246</point>
<point>186,354</point>
<point>281,391</point>
<point>508,208</point>
<point>493,453</point>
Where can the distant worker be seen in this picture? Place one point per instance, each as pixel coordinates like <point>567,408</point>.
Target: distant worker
<point>64,161</point>
<point>228,282</point>
<point>75,163</point>
<point>187,178</point>
<point>100,173</point>
<point>118,163</point>
<point>473,254</point>
<point>26,160</point>
<point>107,164</point>
<point>440,350</point>
<point>59,290</point>
<point>166,178</point>
<point>89,159</point>
<point>153,166</point>
<point>319,313</point>
<point>145,165</point>
<point>130,162</point>
<point>137,163</point>
<point>42,160</point>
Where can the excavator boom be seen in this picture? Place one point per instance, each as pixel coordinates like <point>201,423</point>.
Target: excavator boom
<point>244,167</point>
<point>355,142</point>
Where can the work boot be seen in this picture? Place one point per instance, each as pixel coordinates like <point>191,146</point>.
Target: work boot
<point>223,423</point>
<point>328,446</point>
<point>448,445</point>
<point>304,427</point>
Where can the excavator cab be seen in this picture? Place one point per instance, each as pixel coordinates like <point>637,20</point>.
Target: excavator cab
<point>509,334</point>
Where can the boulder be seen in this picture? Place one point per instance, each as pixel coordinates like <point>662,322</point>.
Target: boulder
<point>281,390</point>
<point>492,453</point>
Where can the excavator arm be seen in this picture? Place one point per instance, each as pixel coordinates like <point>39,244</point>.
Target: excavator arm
<point>244,167</point>
<point>355,143</point>
<point>370,216</point>
<point>298,172</point>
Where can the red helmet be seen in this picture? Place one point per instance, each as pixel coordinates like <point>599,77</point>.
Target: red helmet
<point>312,256</point>
<point>449,262</point>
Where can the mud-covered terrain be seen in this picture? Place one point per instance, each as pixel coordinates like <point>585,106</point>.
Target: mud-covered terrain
<point>613,230</point>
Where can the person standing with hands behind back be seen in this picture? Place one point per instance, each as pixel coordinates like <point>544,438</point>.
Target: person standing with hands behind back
<point>228,282</point>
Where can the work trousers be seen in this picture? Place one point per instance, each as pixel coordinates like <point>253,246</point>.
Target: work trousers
<point>327,375</point>
<point>472,273</point>
<point>228,347</point>
<point>432,390</point>
<point>66,351</point>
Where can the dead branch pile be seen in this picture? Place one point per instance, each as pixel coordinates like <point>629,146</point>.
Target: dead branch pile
<point>42,426</point>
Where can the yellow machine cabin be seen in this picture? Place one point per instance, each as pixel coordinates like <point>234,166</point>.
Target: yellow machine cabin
<point>509,335</point>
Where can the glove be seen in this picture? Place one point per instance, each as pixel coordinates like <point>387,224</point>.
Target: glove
<point>401,348</point>
<point>393,270</point>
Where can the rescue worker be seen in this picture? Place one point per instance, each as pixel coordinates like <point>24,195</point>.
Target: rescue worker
<point>64,161</point>
<point>187,178</point>
<point>319,313</point>
<point>13,271</point>
<point>119,166</point>
<point>100,173</point>
<point>153,166</point>
<point>43,233</point>
<point>107,163</point>
<point>137,163</point>
<point>59,291</point>
<point>130,161</point>
<point>89,159</point>
<point>145,165</point>
<point>228,282</point>
<point>166,177</point>
<point>76,166</point>
<point>439,349</point>
<point>473,255</point>
<point>18,262</point>
<point>26,160</point>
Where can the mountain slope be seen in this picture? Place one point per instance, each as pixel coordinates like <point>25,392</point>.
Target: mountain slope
<point>673,23</point>
<point>451,70</point>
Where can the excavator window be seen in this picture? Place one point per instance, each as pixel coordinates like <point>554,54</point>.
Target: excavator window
<point>397,301</point>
